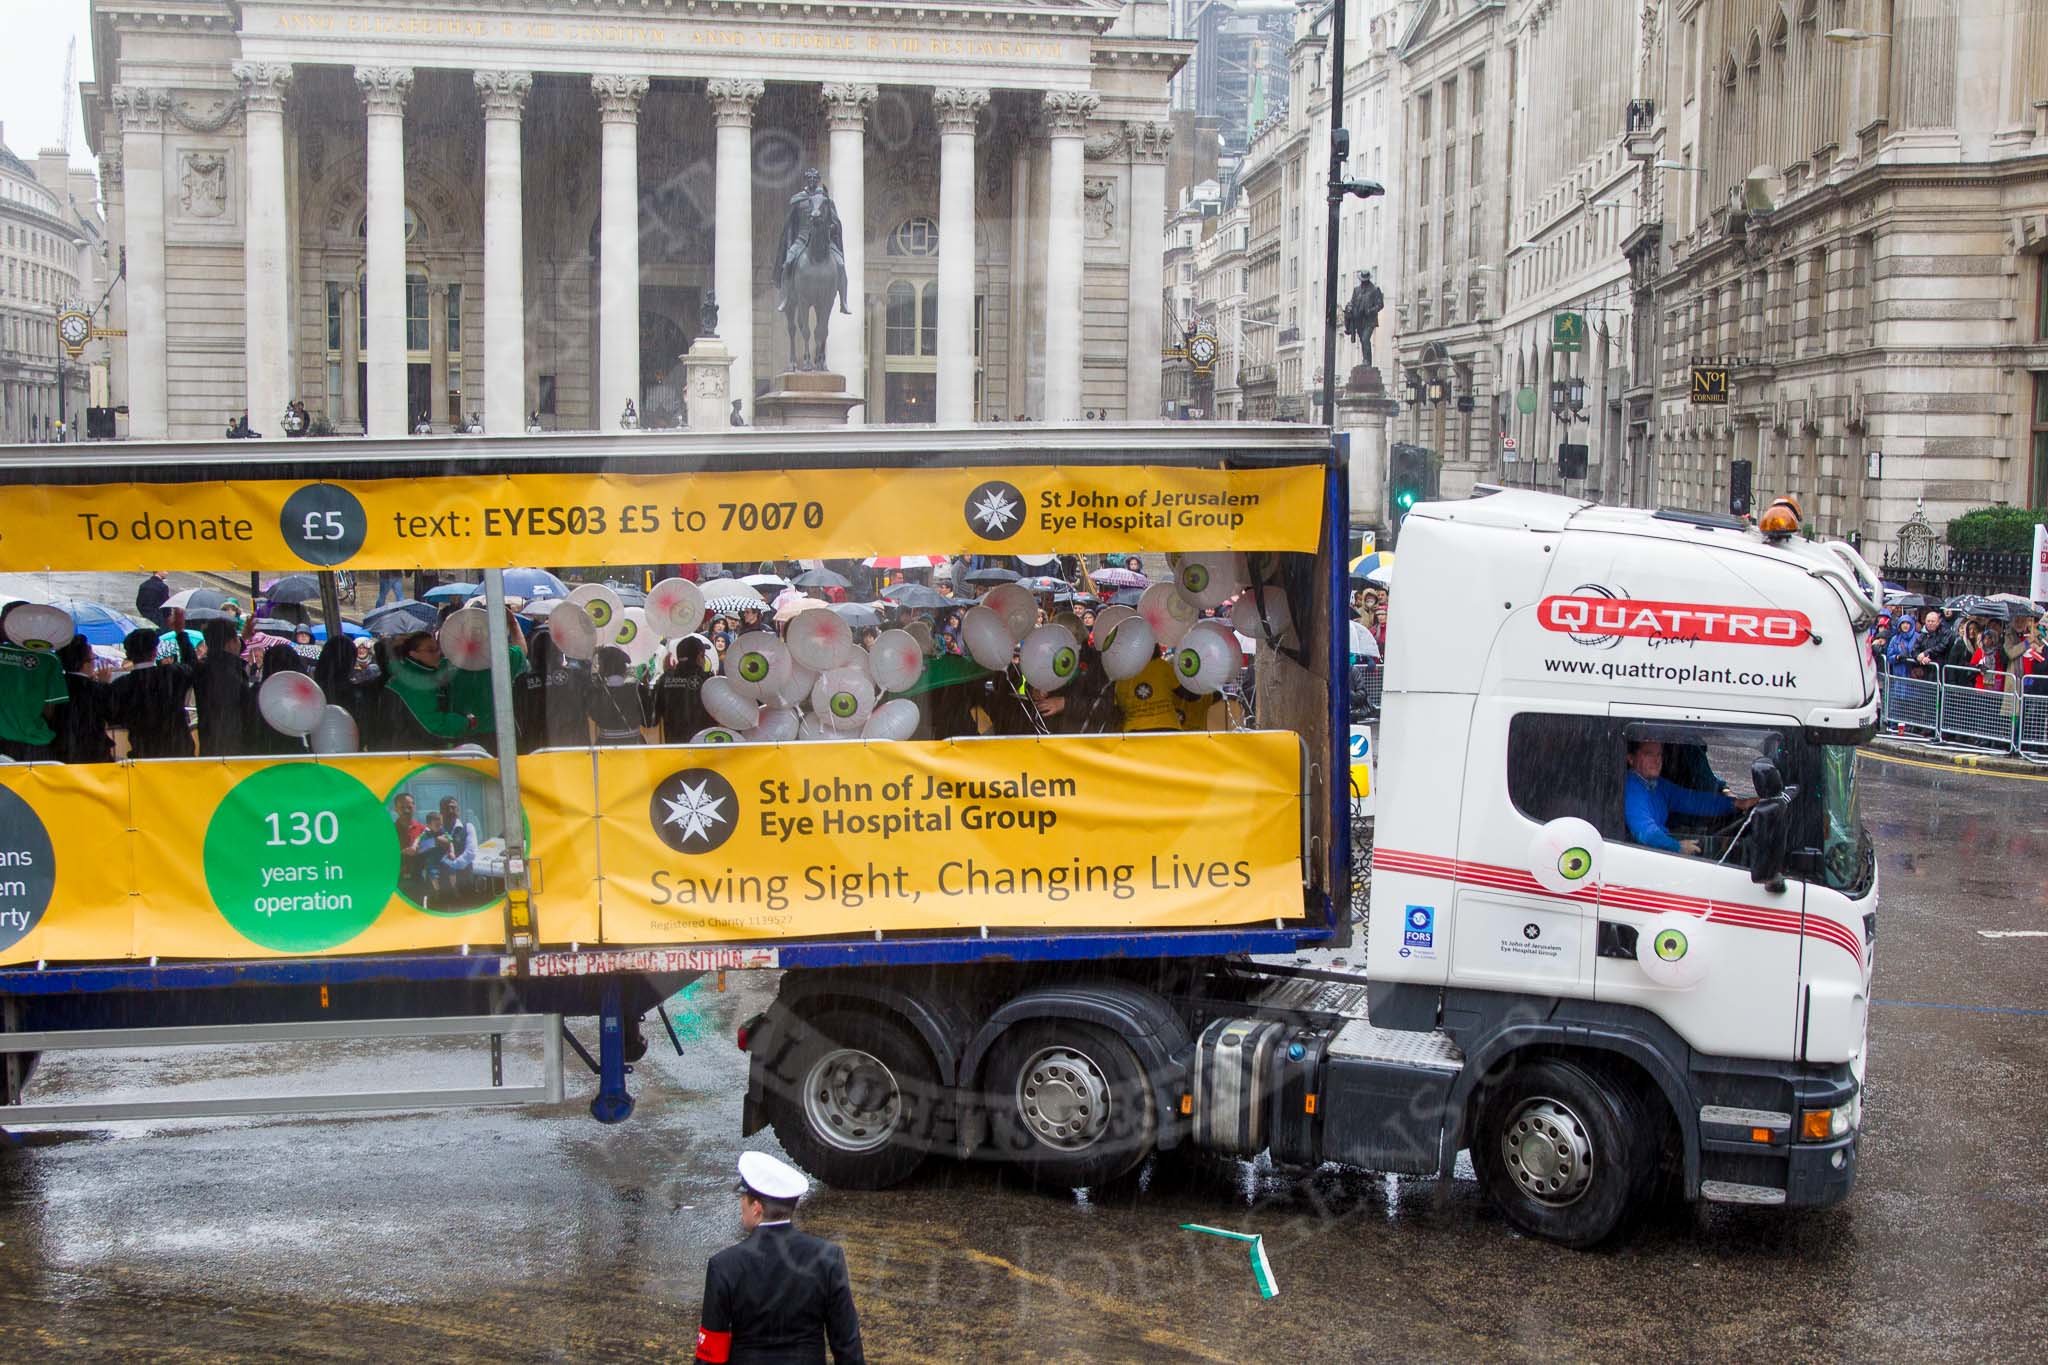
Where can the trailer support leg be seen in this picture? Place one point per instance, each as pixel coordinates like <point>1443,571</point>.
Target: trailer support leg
<point>611,1104</point>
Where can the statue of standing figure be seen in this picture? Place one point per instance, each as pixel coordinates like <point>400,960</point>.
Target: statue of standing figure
<point>1362,314</point>
<point>810,272</point>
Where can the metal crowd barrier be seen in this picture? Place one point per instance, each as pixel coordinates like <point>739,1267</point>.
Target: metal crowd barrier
<point>1955,710</point>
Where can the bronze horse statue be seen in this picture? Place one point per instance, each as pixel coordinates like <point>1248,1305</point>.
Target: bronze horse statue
<point>812,284</point>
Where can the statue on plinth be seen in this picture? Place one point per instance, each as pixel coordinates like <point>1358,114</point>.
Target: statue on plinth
<point>1362,315</point>
<point>810,272</point>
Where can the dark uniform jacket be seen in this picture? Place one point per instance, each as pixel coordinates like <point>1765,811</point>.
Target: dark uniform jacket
<point>775,1299</point>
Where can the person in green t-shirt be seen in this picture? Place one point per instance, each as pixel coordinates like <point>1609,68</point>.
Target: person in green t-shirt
<point>430,703</point>
<point>31,690</point>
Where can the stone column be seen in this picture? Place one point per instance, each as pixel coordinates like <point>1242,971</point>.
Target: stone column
<point>1022,176</point>
<point>142,154</point>
<point>1149,143</point>
<point>955,111</point>
<point>1066,120</point>
<point>384,91</point>
<point>351,359</point>
<point>266,253</point>
<point>618,338</point>
<point>732,269</point>
<point>113,189</point>
<point>437,356</point>
<point>504,98</point>
<point>846,112</point>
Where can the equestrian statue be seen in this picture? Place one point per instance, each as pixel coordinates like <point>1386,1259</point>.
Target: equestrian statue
<point>810,272</point>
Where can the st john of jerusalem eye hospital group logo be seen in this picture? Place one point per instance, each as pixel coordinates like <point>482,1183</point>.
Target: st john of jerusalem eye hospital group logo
<point>694,811</point>
<point>995,510</point>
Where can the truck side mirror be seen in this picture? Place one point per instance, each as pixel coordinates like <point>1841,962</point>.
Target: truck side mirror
<point>1766,779</point>
<point>1767,852</point>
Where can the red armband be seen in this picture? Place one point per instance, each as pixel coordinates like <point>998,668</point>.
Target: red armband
<point>713,1348</point>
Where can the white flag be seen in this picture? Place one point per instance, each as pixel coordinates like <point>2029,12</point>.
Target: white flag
<point>2039,590</point>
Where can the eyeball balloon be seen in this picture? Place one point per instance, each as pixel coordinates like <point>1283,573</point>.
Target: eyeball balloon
<point>895,661</point>
<point>1673,950</point>
<point>336,732</point>
<point>1207,658</point>
<point>604,606</point>
<point>41,628</point>
<point>892,720</point>
<point>1106,620</point>
<point>758,664</point>
<point>728,705</point>
<point>572,630</point>
<point>1017,607</point>
<point>1564,856</point>
<point>715,734</point>
<point>675,606</point>
<point>843,696</point>
<point>795,689</point>
<point>1049,658</point>
<point>810,728</point>
<point>466,639</point>
<point>921,631</point>
<point>291,703</point>
<point>1168,613</point>
<point>1208,580</point>
<point>989,640</point>
<point>778,725</point>
<point>1273,626</point>
<point>819,639</point>
<point>635,637</point>
<point>1126,647</point>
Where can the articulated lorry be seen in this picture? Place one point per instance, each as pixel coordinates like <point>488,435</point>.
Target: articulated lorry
<point>1620,938</point>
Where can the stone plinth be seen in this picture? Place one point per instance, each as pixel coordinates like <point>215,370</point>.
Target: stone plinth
<point>707,368</point>
<point>1365,379</point>
<point>803,399</point>
<point>1367,421</point>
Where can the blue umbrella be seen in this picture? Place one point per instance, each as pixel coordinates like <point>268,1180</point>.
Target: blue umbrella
<point>348,628</point>
<point>529,583</point>
<point>98,623</point>
<point>451,592</point>
<point>167,643</point>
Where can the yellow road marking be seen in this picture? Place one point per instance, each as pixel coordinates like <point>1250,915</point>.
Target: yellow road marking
<point>1103,1303</point>
<point>1955,767</point>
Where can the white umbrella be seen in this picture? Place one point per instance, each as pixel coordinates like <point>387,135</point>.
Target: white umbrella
<point>765,580</point>
<point>1382,577</point>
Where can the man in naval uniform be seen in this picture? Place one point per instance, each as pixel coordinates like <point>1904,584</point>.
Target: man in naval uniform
<point>781,1295</point>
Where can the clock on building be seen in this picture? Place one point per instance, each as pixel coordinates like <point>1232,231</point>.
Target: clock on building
<point>74,328</point>
<point>1202,350</point>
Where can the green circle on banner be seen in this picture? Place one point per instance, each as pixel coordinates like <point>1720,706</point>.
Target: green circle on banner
<point>1525,400</point>
<point>301,857</point>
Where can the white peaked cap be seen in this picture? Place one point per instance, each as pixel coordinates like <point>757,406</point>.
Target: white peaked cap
<point>772,1179</point>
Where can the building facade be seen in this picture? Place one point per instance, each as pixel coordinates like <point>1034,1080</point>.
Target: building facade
<point>407,210</point>
<point>51,259</point>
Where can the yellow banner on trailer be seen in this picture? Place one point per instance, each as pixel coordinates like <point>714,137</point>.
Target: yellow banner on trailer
<point>513,519</point>
<point>250,858</point>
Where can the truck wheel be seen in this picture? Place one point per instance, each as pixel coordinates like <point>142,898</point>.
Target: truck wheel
<point>853,1105</point>
<point>1069,1103</point>
<point>1565,1153</point>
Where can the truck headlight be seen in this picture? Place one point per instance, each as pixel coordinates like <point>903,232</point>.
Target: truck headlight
<point>1822,1125</point>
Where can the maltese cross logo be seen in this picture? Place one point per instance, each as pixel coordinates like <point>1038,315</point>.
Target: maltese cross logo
<point>995,510</point>
<point>694,811</point>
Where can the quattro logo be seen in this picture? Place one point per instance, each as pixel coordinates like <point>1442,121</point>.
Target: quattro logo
<point>694,811</point>
<point>1584,615</point>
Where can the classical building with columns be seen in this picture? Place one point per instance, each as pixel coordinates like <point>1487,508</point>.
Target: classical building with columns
<point>397,210</point>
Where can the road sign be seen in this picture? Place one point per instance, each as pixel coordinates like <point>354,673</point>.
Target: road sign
<point>1507,443</point>
<point>1567,331</point>
<point>1710,384</point>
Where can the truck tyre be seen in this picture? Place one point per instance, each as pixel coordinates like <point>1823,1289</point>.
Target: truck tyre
<point>1565,1152</point>
<point>853,1104</point>
<point>1068,1103</point>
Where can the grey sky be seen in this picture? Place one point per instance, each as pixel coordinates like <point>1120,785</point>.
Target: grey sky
<point>32,68</point>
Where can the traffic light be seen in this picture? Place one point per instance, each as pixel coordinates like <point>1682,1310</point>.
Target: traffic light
<point>1739,494</point>
<point>1408,480</point>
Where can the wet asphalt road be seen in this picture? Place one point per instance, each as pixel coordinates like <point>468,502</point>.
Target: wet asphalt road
<point>539,1235</point>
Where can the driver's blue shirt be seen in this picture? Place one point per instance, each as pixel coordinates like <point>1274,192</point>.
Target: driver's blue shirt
<point>1647,806</point>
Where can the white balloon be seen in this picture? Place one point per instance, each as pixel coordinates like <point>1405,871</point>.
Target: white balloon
<point>715,734</point>
<point>1207,658</point>
<point>895,661</point>
<point>843,697</point>
<point>1276,627</point>
<point>291,703</point>
<point>779,725</point>
<point>1127,647</point>
<point>40,627</point>
<point>572,630</point>
<point>819,639</point>
<point>1049,658</point>
<point>989,640</point>
<point>1674,950</point>
<point>675,606</point>
<point>728,705</point>
<point>758,664</point>
<point>892,720</point>
<point>604,606</point>
<point>635,636</point>
<point>336,732</point>
<point>1564,856</point>
<point>1168,613</point>
<point>466,639</point>
<point>1017,607</point>
<point>1209,579</point>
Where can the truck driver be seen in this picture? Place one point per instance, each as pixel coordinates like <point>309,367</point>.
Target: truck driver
<point>1648,801</point>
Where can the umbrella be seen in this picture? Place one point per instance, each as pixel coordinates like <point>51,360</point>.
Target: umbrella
<point>822,578</point>
<point>1129,597</point>
<point>99,624</point>
<point>399,618</point>
<point>349,630</point>
<point>993,575</point>
<point>204,599</point>
<point>167,643</point>
<point>1967,604</point>
<point>529,583</point>
<point>765,580</point>
<point>201,615</point>
<point>1046,585</point>
<point>918,597</point>
<point>798,603</point>
<point>295,587</point>
<point>1362,567</point>
<point>1115,579</point>
<point>733,603</point>
<point>452,592</point>
<point>1382,577</point>
<point>859,615</point>
<point>629,594</point>
<point>904,561</point>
